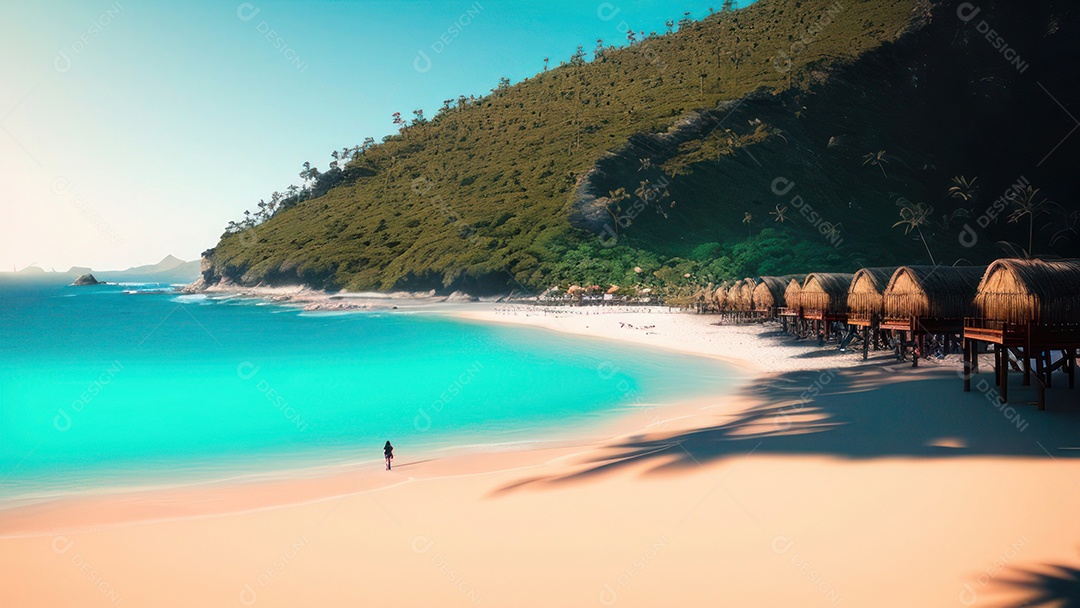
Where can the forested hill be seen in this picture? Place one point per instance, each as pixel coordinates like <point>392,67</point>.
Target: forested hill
<point>786,136</point>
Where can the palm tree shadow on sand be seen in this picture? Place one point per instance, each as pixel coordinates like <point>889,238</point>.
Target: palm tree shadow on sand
<point>859,413</point>
<point>1051,585</point>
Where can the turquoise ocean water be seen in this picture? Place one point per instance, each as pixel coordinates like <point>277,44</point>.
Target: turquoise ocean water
<point>126,385</point>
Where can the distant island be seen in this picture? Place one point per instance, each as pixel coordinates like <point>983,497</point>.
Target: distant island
<point>169,270</point>
<point>86,279</point>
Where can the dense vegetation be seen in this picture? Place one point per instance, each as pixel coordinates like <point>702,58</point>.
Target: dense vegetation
<point>787,136</point>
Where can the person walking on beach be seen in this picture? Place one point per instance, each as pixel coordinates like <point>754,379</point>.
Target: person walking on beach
<point>388,452</point>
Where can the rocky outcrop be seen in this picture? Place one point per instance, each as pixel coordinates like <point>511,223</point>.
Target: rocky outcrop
<point>86,279</point>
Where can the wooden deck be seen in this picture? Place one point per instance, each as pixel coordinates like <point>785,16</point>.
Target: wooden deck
<point>920,325</point>
<point>821,315</point>
<point>861,319</point>
<point>1018,345</point>
<point>1047,337</point>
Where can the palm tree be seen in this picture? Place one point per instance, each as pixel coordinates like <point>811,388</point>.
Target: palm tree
<point>615,197</point>
<point>747,218</point>
<point>1070,228</point>
<point>779,213</point>
<point>1027,203</point>
<point>913,217</point>
<point>644,191</point>
<point>963,188</point>
<point>878,158</point>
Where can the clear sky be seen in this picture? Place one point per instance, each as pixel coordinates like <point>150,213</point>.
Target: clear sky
<point>132,129</point>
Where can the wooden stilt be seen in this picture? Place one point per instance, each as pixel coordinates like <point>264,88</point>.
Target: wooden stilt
<point>1027,355</point>
<point>1003,373</point>
<point>1071,353</point>
<point>967,366</point>
<point>1039,369</point>
<point>866,344</point>
<point>997,364</point>
<point>1049,369</point>
<point>974,356</point>
<point>915,350</point>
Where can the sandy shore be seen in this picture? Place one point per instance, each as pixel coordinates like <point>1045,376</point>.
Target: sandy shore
<point>825,482</point>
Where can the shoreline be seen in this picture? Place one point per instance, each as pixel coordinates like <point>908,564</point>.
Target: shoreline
<point>669,331</point>
<point>327,477</point>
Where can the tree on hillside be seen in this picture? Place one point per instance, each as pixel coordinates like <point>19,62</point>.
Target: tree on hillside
<point>1029,203</point>
<point>878,158</point>
<point>615,197</point>
<point>309,174</point>
<point>963,188</point>
<point>645,191</point>
<point>779,213</point>
<point>912,217</point>
<point>578,58</point>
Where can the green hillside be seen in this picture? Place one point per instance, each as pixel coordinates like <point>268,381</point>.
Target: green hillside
<point>669,157</point>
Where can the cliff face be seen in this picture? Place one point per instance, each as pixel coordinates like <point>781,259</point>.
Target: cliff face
<point>826,122</point>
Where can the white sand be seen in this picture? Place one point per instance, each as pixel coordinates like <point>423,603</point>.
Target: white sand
<point>826,484</point>
<point>760,347</point>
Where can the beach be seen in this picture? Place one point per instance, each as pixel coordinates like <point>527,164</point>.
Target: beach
<point>823,481</point>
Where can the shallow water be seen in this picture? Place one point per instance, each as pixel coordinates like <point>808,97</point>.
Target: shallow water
<point>121,385</point>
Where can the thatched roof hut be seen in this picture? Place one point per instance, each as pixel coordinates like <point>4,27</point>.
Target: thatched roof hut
<point>865,297</point>
<point>731,301</point>
<point>769,292</point>
<point>825,292</point>
<point>932,292</point>
<point>720,295</point>
<point>793,296</point>
<point>1030,291</point>
<point>741,295</point>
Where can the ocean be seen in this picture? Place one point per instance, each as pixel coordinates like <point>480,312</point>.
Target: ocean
<point>119,386</point>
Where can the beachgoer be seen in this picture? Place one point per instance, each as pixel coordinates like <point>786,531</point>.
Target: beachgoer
<point>388,452</point>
